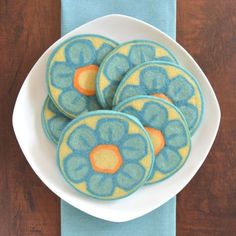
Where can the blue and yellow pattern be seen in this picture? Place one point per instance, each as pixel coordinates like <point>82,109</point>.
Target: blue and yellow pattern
<point>167,81</point>
<point>72,70</point>
<point>167,129</point>
<point>105,154</point>
<point>53,121</point>
<point>121,60</point>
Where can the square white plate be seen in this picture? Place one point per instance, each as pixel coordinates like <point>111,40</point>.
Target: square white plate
<point>41,154</point>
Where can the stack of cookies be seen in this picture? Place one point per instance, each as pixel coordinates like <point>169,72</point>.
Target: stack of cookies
<point>121,116</point>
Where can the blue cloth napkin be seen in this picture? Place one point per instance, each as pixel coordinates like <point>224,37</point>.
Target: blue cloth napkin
<point>162,14</point>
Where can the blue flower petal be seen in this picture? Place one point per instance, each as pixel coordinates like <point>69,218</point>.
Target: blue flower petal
<point>52,107</point>
<point>102,52</point>
<point>133,112</point>
<point>175,134</point>
<point>80,53</point>
<point>130,91</point>
<point>134,147</point>
<point>82,139</point>
<point>109,92</point>
<point>76,167</point>
<point>57,124</point>
<point>167,160</point>
<point>190,113</point>
<point>93,104</point>
<point>154,115</point>
<point>72,102</point>
<point>116,67</point>
<point>141,53</point>
<point>100,184</point>
<point>180,89</point>
<point>130,175</point>
<point>111,130</point>
<point>154,79</point>
<point>61,75</point>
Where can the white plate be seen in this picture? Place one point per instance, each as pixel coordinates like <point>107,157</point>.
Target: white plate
<point>41,154</point>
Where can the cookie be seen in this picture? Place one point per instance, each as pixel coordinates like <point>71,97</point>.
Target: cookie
<point>167,129</point>
<point>53,121</point>
<point>167,81</point>
<point>105,154</point>
<point>121,60</point>
<point>71,73</point>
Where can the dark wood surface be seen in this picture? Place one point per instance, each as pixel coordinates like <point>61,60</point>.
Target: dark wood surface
<point>207,29</point>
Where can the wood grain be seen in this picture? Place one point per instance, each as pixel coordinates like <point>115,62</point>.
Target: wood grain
<point>27,206</point>
<point>206,28</point>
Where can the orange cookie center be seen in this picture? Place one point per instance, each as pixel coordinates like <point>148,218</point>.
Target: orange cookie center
<point>157,138</point>
<point>163,96</point>
<point>105,159</point>
<point>85,80</point>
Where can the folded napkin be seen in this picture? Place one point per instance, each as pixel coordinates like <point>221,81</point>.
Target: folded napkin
<point>161,14</point>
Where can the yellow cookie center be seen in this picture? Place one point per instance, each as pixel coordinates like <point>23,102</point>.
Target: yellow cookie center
<point>157,138</point>
<point>105,159</point>
<point>163,96</point>
<point>85,80</point>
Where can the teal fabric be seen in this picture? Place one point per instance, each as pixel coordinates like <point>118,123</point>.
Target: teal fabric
<point>162,14</point>
<point>160,222</point>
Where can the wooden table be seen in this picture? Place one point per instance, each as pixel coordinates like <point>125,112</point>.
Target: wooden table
<point>207,29</point>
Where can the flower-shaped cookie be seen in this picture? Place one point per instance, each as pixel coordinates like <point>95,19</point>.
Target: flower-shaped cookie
<point>105,154</point>
<point>167,129</point>
<point>167,81</point>
<point>53,121</point>
<point>72,70</point>
<point>121,60</point>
